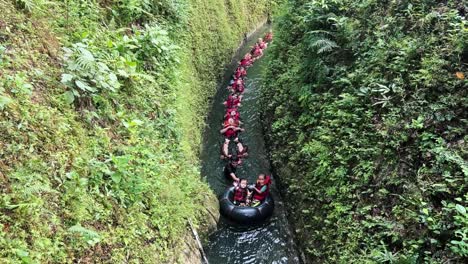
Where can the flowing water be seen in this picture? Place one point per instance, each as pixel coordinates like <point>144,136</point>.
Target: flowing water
<point>271,242</point>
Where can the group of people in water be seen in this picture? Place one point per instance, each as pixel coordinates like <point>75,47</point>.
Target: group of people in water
<point>243,195</point>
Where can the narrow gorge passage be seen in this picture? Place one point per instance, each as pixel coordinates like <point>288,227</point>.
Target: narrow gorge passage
<point>271,242</point>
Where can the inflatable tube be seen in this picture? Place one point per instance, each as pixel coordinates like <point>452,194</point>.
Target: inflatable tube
<point>245,215</point>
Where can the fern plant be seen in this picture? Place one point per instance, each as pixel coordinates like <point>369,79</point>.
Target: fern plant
<point>322,45</point>
<point>87,74</point>
<point>90,236</point>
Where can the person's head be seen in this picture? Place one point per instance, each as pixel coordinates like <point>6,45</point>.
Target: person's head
<point>231,121</point>
<point>233,112</point>
<point>261,179</point>
<point>260,40</point>
<point>243,183</point>
<point>235,161</point>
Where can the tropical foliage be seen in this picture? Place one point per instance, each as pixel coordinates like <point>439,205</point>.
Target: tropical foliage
<point>365,111</point>
<point>101,111</point>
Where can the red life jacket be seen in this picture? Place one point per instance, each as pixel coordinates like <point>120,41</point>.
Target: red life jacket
<point>262,196</point>
<point>226,122</point>
<point>230,133</point>
<point>268,36</point>
<point>240,73</point>
<point>232,103</point>
<point>228,110</point>
<point>240,89</point>
<point>240,194</point>
<point>237,81</point>
<point>236,116</point>
<point>258,52</point>
<point>262,45</point>
<point>244,63</point>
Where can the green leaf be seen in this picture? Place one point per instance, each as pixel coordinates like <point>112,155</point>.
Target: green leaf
<point>4,101</point>
<point>66,78</point>
<point>21,253</point>
<point>461,209</point>
<point>84,86</point>
<point>116,177</point>
<point>69,97</point>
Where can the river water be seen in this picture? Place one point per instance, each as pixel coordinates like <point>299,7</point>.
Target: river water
<point>270,243</point>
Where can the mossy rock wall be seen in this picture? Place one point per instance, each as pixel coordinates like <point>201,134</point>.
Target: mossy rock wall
<point>101,110</point>
<point>365,111</point>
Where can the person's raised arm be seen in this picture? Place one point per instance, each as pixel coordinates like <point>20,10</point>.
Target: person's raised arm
<point>222,131</point>
<point>233,176</point>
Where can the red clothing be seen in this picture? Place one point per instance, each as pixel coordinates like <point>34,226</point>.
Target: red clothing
<point>236,116</point>
<point>238,86</point>
<point>262,45</point>
<point>262,196</point>
<point>240,72</point>
<point>228,110</point>
<point>230,133</point>
<point>232,103</point>
<point>240,89</point>
<point>245,62</point>
<point>240,194</point>
<point>226,122</point>
<point>258,52</point>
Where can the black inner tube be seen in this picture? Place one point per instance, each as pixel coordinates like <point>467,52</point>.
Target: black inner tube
<point>245,215</point>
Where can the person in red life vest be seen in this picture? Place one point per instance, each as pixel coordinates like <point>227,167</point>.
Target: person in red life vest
<point>231,131</point>
<point>257,52</point>
<point>225,149</point>
<point>231,127</point>
<point>241,193</point>
<point>232,113</point>
<point>269,36</point>
<point>231,122</point>
<point>233,101</point>
<point>240,73</point>
<point>242,150</point>
<point>262,44</point>
<point>246,61</point>
<point>230,169</point>
<point>238,85</point>
<point>261,189</point>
